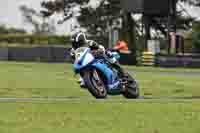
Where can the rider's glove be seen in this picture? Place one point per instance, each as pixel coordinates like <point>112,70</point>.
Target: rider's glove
<point>109,53</point>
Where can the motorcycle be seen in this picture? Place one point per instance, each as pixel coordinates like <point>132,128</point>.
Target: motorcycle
<point>101,78</point>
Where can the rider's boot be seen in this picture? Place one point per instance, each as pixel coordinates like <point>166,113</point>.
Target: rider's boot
<point>82,83</point>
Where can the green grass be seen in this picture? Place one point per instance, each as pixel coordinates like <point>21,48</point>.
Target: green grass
<point>159,69</point>
<point>38,80</point>
<point>84,117</point>
<point>115,115</point>
<point>58,80</point>
<point>168,85</point>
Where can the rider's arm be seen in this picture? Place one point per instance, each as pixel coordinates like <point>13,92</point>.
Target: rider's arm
<point>72,53</point>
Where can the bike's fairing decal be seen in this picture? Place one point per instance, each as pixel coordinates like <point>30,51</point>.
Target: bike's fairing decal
<point>113,86</point>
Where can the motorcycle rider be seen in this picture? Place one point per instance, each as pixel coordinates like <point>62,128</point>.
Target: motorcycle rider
<point>80,40</point>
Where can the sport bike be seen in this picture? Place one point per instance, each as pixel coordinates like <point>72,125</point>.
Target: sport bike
<point>101,75</point>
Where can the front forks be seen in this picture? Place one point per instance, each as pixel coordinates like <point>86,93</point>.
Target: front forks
<point>96,76</point>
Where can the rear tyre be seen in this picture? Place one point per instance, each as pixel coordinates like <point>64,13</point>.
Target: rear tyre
<point>95,87</point>
<point>132,88</point>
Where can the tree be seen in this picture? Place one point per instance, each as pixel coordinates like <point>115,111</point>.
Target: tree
<point>96,20</point>
<point>196,37</point>
<point>41,24</point>
<point>186,21</point>
<point>192,2</point>
<point>5,30</point>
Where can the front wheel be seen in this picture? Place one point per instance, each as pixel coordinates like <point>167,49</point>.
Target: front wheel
<point>94,82</point>
<point>132,88</point>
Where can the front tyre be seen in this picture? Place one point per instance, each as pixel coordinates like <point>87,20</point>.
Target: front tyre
<point>94,82</point>
<point>132,88</point>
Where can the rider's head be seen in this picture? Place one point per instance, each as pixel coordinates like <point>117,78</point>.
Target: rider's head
<point>78,40</point>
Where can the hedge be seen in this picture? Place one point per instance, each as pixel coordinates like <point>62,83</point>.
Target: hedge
<point>196,42</point>
<point>34,39</point>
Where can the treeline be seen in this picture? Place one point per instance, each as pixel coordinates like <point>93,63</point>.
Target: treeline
<point>6,30</point>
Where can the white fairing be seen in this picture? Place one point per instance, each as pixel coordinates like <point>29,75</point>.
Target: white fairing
<point>80,53</point>
<point>88,59</point>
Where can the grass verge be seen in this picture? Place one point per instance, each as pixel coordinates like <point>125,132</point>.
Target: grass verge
<point>58,80</point>
<point>100,117</point>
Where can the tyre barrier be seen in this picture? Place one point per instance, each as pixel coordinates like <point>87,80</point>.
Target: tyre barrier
<point>127,59</point>
<point>48,54</point>
<point>38,54</point>
<point>187,61</point>
<point>148,59</point>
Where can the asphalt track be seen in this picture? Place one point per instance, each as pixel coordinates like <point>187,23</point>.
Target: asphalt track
<point>109,100</point>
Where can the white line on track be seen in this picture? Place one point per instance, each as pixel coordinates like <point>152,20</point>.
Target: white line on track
<point>90,100</point>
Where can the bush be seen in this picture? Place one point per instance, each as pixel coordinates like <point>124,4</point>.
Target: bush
<point>196,42</point>
<point>34,39</point>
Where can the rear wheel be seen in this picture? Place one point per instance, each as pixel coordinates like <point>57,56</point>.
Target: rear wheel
<point>94,81</point>
<point>132,88</point>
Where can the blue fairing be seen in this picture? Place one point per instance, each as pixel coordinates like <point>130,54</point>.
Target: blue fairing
<point>106,71</point>
<point>79,66</point>
<point>111,82</point>
<point>109,75</point>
